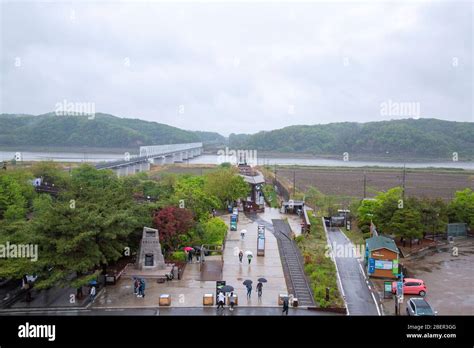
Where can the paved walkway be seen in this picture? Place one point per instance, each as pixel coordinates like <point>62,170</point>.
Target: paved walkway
<point>359,298</point>
<point>189,291</point>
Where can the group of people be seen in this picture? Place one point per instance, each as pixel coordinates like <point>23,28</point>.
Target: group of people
<point>259,290</point>
<point>241,256</point>
<point>139,287</point>
<point>221,300</point>
<point>191,254</point>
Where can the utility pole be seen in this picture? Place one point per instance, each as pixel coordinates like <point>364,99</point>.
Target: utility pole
<point>403,184</point>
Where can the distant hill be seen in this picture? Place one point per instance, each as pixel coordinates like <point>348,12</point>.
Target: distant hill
<point>103,131</point>
<point>422,138</point>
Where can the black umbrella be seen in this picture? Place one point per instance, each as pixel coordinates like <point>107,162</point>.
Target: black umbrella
<point>227,288</point>
<point>197,248</point>
<point>248,281</point>
<point>262,280</point>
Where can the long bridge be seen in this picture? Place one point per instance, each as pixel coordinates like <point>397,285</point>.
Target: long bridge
<point>153,154</point>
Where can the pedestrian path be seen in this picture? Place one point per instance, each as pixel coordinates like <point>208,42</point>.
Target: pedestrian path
<point>268,266</point>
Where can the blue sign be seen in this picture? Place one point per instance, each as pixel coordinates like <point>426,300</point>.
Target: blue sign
<point>399,288</point>
<point>371,265</point>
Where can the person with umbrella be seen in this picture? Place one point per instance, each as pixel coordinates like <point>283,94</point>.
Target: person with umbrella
<point>259,289</point>
<point>242,233</point>
<point>220,300</point>
<point>248,284</point>
<point>241,255</point>
<point>189,250</point>
<point>249,256</point>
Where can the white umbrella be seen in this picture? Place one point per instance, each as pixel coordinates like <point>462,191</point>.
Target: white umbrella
<point>243,231</point>
<point>248,252</point>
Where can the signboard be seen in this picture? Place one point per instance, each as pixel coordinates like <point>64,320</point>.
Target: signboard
<point>387,287</point>
<point>400,289</point>
<point>371,265</point>
<point>381,264</point>
<point>219,285</point>
<point>395,267</point>
<point>261,240</point>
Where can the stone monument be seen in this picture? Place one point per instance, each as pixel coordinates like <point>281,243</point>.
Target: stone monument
<point>150,256</point>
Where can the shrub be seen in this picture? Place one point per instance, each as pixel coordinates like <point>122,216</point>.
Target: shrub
<point>178,256</point>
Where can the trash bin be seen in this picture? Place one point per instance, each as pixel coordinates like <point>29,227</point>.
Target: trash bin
<point>281,297</point>
<point>165,300</point>
<point>294,303</point>
<point>208,300</point>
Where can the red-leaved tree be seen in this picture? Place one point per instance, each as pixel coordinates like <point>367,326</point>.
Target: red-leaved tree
<point>172,222</point>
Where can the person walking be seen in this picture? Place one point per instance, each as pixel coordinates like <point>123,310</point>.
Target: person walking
<point>232,301</point>
<point>220,300</point>
<point>92,293</point>
<point>242,234</point>
<point>286,306</point>
<point>241,255</point>
<point>141,288</point>
<point>136,286</point>
<point>190,256</point>
<point>259,289</point>
<point>249,258</point>
<point>249,290</point>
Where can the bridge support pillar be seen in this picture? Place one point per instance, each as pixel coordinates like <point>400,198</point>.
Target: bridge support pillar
<point>185,155</point>
<point>169,159</point>
<point>178,157</point>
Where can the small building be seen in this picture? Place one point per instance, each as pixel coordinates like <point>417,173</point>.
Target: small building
<point>255,202</point>
<point>381,257</point>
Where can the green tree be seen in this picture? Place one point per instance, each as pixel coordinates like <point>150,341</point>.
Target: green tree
<point>406,223</point>
<point>190,191</point>
<point>461,208</point>
<point>215,231</point>
<point>225,185</point>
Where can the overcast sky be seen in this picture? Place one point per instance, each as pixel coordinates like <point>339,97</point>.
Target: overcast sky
<point>240,67</point>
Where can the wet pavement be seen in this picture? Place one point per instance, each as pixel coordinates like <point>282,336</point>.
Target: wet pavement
<point>358,296</point>
<point>189,291</point>
<point>449,278</point>
<point>183,311</point>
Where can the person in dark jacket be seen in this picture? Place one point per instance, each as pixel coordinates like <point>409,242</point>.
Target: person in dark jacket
<point>286,305</point>
<point>259,289</point>
<point>249,290</point>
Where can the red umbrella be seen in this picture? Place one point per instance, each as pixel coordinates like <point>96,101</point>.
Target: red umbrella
<point>188,248</point>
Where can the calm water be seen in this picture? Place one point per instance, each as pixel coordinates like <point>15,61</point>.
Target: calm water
<point>214,159</point>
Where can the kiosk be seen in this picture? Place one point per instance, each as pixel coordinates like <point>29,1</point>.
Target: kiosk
<point>261,240</point>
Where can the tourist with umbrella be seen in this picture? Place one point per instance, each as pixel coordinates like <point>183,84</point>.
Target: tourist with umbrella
<point>232,301</point>
<point>249,256</point>
<point>248,285</point>
<point>190,252</point>
<point>220,300</point>
<point>259,289</point>
<point>242,233</point>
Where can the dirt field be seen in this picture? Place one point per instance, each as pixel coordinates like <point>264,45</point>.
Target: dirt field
<point>350,181</point>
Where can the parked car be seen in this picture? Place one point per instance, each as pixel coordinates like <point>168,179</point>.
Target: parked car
<point>411,286</point>
<point>418,306</point>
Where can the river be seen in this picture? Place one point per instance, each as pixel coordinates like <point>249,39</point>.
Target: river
<point>215,159</point>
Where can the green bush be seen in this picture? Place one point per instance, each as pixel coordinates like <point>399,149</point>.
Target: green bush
<point>214,231</point>
<point>178,256</point>
<point>366,235</point>
<point>299,239</point>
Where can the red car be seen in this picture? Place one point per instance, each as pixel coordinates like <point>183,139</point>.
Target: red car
<point>411,286</point>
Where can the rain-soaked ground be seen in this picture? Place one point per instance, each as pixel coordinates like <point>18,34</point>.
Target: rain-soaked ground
<point>448,273</point>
